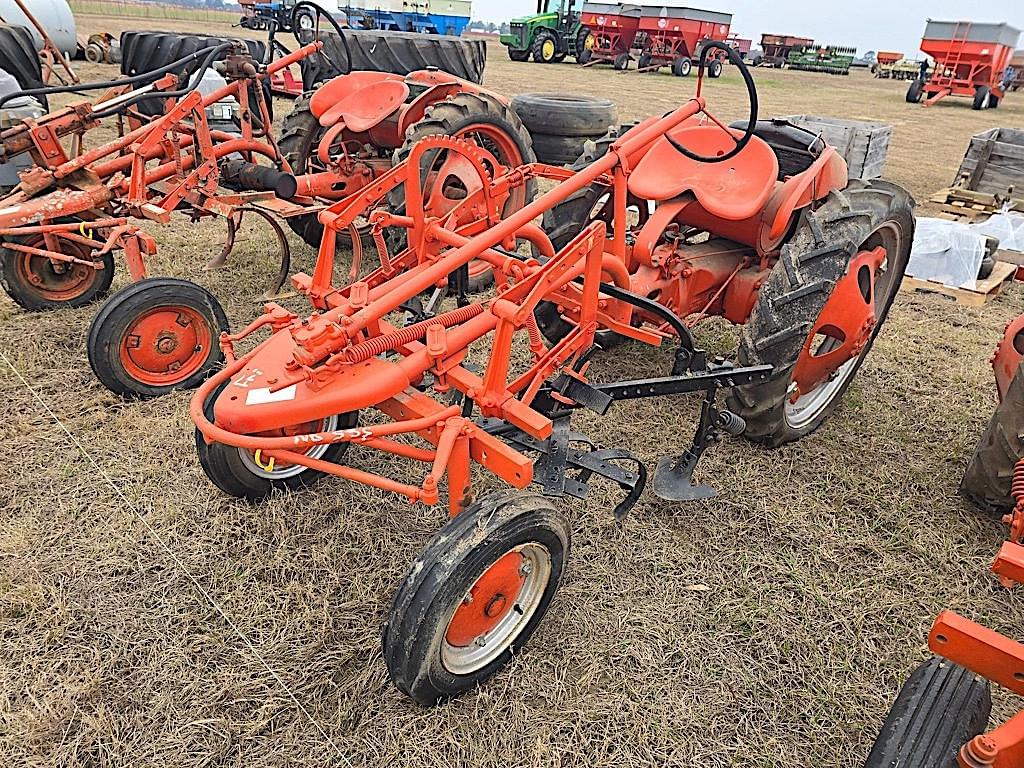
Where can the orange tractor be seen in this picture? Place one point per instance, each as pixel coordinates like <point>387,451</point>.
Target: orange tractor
<point>676,219</point>
<point>941,714</point>
<point>77,206</point>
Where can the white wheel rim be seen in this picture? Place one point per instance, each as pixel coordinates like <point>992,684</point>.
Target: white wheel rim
<point>464,660</point>
<point>249,460</point>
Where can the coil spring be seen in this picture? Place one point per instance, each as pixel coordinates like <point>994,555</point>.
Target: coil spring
<point>365,350</point>
<point>1016,518</point>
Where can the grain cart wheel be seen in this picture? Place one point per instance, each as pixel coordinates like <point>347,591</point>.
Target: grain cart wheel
<point>621,62</point>
<point>475,595</point>
<point>645,61</point>
<point>38,283</point>
<point>915,92</point>
<point>300,137</point>
<point>682,67</point>
<point>156,336</point>
<point>545,47</point>
<point>247,474</point>
<point>982,97</point>
<point>821,308</point>
<point>490,124</point>
<point>584,45</point>
<point>715,68</point>
<point>986,483</point>
<point>941,708</point>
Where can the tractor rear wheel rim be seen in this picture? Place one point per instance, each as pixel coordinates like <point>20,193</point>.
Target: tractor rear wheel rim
<point>496,609</point>
<point>804,407</point>
<point>505,150</point>
<point>166,345</point>
<point>57,281</point>
<point>273,469</point>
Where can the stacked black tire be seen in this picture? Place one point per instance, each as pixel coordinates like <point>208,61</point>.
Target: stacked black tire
<point>396,52</point>
<point>18,58</point>
<point>562,124</point>
<point>147,51</point>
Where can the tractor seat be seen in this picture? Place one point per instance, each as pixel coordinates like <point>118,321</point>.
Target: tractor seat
<point>360,99</point>
<point>796,148</point>
<point>733,190</point>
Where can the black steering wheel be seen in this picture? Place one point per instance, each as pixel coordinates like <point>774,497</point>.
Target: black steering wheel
<point>748,134</point>
<point>305,32</point>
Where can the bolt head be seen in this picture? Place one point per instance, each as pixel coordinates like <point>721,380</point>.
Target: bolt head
<point>480,641</point>
<point>526,568</point>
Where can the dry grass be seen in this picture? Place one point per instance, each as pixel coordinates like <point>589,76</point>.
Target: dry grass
<point>769,627</point>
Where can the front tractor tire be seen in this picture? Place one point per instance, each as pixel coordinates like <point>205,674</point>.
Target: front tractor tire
<point>941,708</point>
<point>475,596</point>
<point>247,475</point>
<point>518,56</point>
<point>545,47</point>
<point>790,326</point>
<point>156,336</point>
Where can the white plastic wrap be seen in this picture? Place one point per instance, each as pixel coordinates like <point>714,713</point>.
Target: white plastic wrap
<point>949,252</point>
<point>1007,228</point>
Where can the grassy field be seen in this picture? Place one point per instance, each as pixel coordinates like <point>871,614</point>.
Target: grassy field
<point>771,626</point>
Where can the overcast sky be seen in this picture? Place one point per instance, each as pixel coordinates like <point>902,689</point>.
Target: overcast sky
<point>886,25</point>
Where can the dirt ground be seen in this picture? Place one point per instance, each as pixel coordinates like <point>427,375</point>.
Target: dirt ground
<point>771,626</point>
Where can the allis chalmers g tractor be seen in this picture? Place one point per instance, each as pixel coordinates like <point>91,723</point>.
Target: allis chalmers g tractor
<point>71,212</point>
<point>674,220</point>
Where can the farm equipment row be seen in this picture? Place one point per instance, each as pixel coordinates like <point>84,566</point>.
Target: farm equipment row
<point>619,34</point>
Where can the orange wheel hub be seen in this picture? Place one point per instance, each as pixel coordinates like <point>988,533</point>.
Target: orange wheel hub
<point>844,326</point>
<point>488,602</point>
<point>166,345</point>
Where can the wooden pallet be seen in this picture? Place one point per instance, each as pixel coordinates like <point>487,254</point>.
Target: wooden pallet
<point>982,293</point>
<point>960,204</point>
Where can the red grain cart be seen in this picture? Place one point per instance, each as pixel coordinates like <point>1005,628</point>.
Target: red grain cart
<point>674,37</point>
<point>887,58</point>
<point>741,45</point>
<point>614,28</point>
<point>970,60</point>
<point>775,49</point>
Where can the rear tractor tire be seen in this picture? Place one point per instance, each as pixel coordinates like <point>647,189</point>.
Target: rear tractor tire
<point>300,136</point>
<point>156,336</point>
<point>788,327</point>
<point>475,596</point>
<point>941,708</point>
<point>490,123</point>
<point>986,483</point>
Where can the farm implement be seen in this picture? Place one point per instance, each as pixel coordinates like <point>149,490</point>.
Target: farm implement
<point>676,37</point>
<point>668,222</point>
<point>830,59</point>
<point>970,60</point>
<point>941,714</point>
<point>613,28</point>
<point>71,212</point>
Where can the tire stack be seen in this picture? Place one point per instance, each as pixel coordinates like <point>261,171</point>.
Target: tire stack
<point>561,124</point>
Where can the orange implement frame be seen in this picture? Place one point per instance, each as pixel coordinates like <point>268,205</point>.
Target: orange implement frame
<point>995,658</point>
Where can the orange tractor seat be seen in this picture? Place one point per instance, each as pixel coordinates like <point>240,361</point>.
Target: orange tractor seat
<point>734,190</point>
<point>361,100</point>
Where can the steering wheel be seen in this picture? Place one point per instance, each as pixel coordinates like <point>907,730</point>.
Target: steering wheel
<point>748,134</point>
<point>306,23</point>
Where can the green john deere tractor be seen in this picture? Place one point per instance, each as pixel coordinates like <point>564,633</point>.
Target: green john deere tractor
<point>553,33</point>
